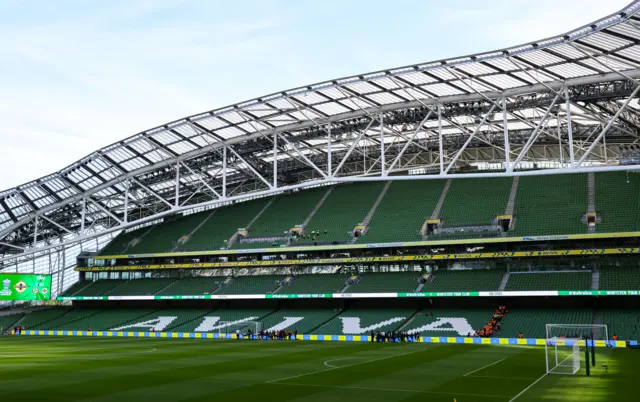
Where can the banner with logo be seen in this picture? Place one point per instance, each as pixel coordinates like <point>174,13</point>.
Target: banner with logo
<point>25,287</point>
<point>533,293</point>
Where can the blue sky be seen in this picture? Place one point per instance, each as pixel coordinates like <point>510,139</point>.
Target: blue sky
<point>79,75</point>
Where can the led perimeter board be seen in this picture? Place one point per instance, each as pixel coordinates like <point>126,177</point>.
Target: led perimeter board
<point>25,287</point>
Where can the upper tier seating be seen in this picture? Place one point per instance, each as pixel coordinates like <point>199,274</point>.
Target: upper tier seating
<point>344,208</point>
<point>317,283</point>
<point>385,282</point>
<point>549,281</point>
<point>551,205</point>
<point>223,224</point>
<point>620,278</point>
<point>544,205</point>
<point>286,211</point>
<point>464,280</point>
<point>403,210</point>
<point>617,195</point>
<point>471,202</point>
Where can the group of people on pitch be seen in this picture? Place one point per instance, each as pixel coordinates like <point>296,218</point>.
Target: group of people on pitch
<point>493,325</point>
<point>395,336</point>
<point>280,335</point>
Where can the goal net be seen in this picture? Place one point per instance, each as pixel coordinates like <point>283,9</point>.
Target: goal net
<point>565,346</point>
<point>244,328</point>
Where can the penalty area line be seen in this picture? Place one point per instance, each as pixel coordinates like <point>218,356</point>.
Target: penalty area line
<point>345,366</point>
<point>484,367</point>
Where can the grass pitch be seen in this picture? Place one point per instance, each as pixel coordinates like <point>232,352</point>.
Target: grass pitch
<point>126,369</point>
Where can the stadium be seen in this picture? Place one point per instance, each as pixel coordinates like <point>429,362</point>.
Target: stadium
<point>463,229</point>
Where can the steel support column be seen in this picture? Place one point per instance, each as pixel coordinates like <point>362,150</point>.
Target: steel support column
<point>572,158</point>
<point>441,145</point>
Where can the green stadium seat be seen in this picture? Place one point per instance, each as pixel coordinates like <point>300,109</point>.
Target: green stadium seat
<point>549,281</point>
<point>8,321</point>
<point>617,195</point>
<point>403,210</point>
<point>448,322</point>
<point>620,278</point>
<point>203,285</point>
<point>385,282</point>
<point>142,287</point>
<point>362,322</point>
<point>551,205</point>
<point>285,212</point>
<point>100,287</point>
<point>464,280</point>
<point>623,323</point>
<point>311,319</point>
<point>317,283</point>
<point>472,202</point>
<point>533,323</point>
<point>344,208</point>
<point>251,284</point>
<point>39,318</point>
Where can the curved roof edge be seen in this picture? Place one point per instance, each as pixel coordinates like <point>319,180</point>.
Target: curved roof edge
<point>570,36</point>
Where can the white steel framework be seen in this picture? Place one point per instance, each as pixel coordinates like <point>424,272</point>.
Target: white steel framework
<point>564,104</point>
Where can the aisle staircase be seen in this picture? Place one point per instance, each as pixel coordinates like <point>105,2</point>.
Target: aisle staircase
<point>317,207</point>
<point>503,283</point>
<point>595,279</point>
<point>436,211</point>
<point>591,197</point>
<point>512,196</point>
<point>372,211</point>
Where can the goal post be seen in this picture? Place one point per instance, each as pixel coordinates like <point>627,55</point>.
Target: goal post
<point>234,327</point>
<point>565,346</point>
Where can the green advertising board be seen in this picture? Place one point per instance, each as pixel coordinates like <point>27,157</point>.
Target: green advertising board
<point>25,287</point>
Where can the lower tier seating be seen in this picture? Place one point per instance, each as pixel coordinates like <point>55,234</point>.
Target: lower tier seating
<point>624,324</point>
<point>620,278</point>
<point>304,321</point>
<point>8,321</point>
<point>532,323</point>
<point>362,322</point>
<point>448,322</point>
<point>437,322</point>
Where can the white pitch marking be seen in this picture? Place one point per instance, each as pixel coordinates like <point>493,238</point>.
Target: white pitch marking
<point>415,391</point>
<point>335,360</point>
<point>484,367</point>
<point>526,389</point>
<point>348,365</point>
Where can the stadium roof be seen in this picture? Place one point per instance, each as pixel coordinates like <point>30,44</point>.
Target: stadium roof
<point>503,107</point>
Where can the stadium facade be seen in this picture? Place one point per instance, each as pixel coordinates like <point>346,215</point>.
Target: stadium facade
<point>565,105</point>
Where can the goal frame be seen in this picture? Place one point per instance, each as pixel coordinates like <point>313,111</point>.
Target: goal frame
<point>229,327</point>
<point>587,339</point>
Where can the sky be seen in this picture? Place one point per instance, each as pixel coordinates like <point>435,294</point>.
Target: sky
<point>79,75</point>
